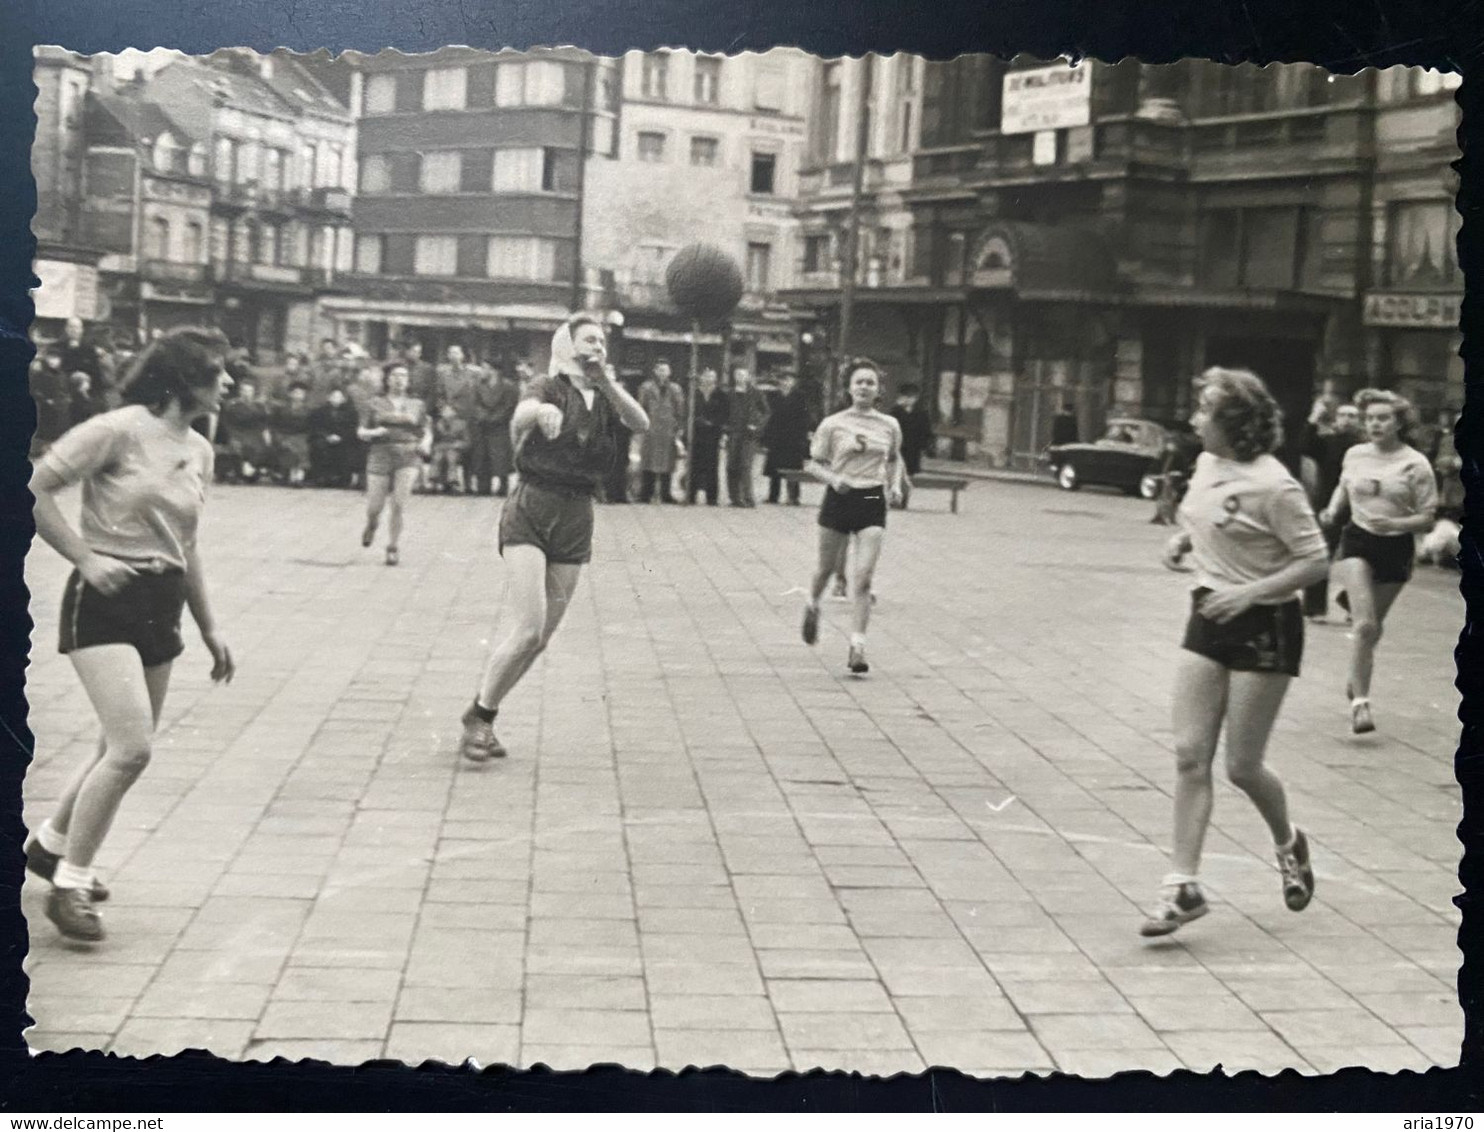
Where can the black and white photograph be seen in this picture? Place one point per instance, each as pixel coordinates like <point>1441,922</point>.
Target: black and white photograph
<point>755,560</point>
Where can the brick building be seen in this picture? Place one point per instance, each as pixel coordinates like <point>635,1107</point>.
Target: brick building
<point>1095,235</point>
<point>468,214</point>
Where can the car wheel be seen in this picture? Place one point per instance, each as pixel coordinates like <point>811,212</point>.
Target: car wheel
<point>1149,486</point>
<point>1066,478</point>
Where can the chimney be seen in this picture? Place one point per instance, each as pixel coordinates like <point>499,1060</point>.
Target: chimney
<point>265,66</point>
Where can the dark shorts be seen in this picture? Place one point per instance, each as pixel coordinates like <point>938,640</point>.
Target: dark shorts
<point>1390,556</point>
<point>388,459</point>
<point>558,523</point>
<point>145,613</point>
<point>1265,638</point>
<point>853,510</point>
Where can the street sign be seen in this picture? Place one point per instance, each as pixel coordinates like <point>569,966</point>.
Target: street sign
<point>1046,98</point>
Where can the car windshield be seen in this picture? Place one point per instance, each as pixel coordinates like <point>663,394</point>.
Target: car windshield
<point>1121,432</point>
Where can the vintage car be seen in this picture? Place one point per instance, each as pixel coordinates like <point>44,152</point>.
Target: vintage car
<point>1130,455</point>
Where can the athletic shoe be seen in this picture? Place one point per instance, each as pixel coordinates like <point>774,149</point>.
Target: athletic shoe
<point>1178,904</point>
<point>1361,722</point>
<point>44,864</point>
<point>71,909</point>
<point>857,661</point>
<point>1298,877</point>
<point>811,624</point>
<point>368,536</point>
<point>479,743</point>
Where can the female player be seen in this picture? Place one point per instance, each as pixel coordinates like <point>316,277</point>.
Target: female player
<point>856,453</point>
<point>144,472</point>
<point>564,431</point>
<point>397,433</point>
<point>1392,495</point>
<point>1248,524</point>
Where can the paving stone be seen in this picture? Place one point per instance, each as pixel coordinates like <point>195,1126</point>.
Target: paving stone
<point>702,1048</point>
<point>145,1037</point>
<point>453,1043</point>
<point>348,1021</point>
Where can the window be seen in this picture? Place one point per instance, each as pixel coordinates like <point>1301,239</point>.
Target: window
<point>518,170</point>
<point>1269,247</point>
<point>332,159</point>
<point>1221,248</point>
<point>308,157</point>
<point>376,173</point>
<point>536,83</point>
<point>1426,81</point>
<point>906,74</point>
<point>381,94</point>
<point>273,168</point>
<point>444,88</point>
<point>221,239</point>
<point>268,243</point>
<point>767,88</point>
<point>440,172</point>
<point>190,250</point>
<point>225,160</point>
<point>368,254</point>
<point>248,156</point>
<point>759,267</point>
<point>828,137</point>
<point>708,80</point>
<point>1421,248</point>
<point>245,242</point>
<point>157,238</point>
<point>521,257</point>
<point>651,146</point>
<point>816,253</point>
<point>703,151</point>
<point>655,77</point>
<point>558,170</point>
<point>764,170</point>
<point>436,255</point>
<point>904,143</point>
<point>196,160</point>
<point>166,154</point>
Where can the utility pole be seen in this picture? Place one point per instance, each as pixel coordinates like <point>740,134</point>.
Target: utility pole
<point>853,222</point>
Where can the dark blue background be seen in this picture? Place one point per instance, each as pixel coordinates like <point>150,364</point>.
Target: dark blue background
<point>1345,35</point>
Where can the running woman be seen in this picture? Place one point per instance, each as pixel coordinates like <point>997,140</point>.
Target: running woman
<point>397,432</point>
<point>856,453</point>
<point>144,472</point>
<point>564,433</point>
<point>1392,494</point>
<point>1249,527</point>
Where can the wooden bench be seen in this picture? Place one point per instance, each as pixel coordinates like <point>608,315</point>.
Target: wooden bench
<point>924,481</point>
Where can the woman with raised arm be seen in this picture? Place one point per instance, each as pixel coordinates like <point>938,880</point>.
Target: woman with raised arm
<point>397,432</point>
<point>563,430</point>
<point>856,453</point>
<point>1391,493</point>
<point>1248,525</point>
<point>144,473</point>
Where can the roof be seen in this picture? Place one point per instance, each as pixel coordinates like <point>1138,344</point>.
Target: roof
<point>129,118</point>
<point>203,82</point>
<point>302,90</point>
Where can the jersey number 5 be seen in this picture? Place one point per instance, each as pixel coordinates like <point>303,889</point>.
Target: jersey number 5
<point>860,442</point>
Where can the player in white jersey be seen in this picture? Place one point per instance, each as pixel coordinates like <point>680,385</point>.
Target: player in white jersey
<point>856,453</point>
<point>1248,526</point>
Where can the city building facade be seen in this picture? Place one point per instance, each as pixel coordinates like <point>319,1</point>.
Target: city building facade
<point>205,191</point>
<point>709,150</point>
<point>1045,235</point>
<point>468,211</point>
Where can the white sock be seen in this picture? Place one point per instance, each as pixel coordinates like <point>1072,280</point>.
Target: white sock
<point>51,840</point>
<point>73,876</point>
<point>1173,880</point>
<point>1289,844</point>
<point>857,640</point>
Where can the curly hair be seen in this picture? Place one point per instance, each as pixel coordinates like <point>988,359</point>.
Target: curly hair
<point>1244,411</point>
<point>847,371</point>
<point>174,366</point>
<point>387,370</point>
<point>1405,411</point>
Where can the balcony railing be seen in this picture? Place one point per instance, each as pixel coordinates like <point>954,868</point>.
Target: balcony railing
<point>281,274</point>
<point>322,199</point>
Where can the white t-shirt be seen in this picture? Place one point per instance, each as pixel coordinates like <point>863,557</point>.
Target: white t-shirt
<point>1387,485</point>
<point>1247,521</point>
<point>857,447</point>
<point>143,484</point>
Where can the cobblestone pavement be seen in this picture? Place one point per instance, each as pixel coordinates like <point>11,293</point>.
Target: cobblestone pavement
<point>710,845</point>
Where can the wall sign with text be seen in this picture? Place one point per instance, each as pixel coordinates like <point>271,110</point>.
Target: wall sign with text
<point>1440,311</point>
<point>1046,98</point>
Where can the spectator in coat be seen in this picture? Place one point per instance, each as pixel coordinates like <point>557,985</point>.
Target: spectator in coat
<point>52,392</point>
<point>917,432</point>
<point>335,457</point>
<point>786,437</point>
<point>327,371</point>
<point>78,354</point>
<point>710,424</point>
<point>450,443</point>
<point>289,424</point>
<point>244,432</point>
<point>747,416</point>
<point>615,487</point>
<point>1327,437</point>
<point>84,401</point>
<point>456,380</point>
<point>422,375</point>
<point>662,399</point>
<point>491,456</point>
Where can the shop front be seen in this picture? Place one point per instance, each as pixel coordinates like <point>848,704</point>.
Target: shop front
<point>1412,343</point>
